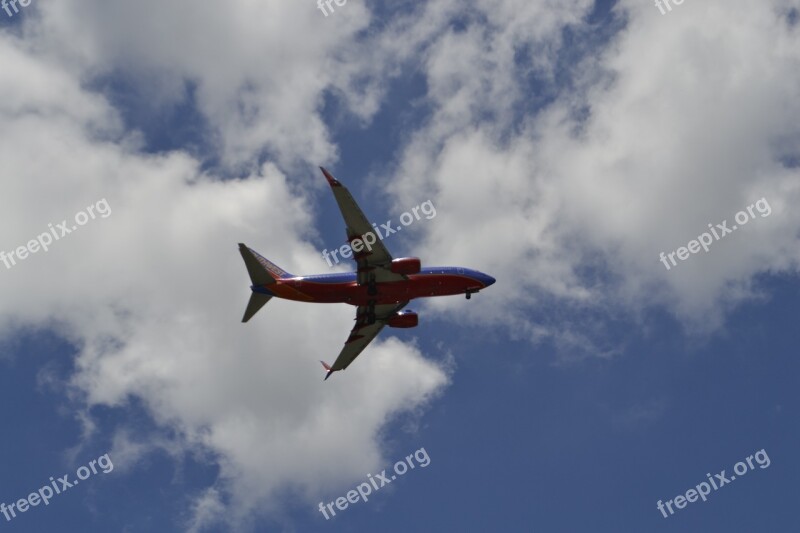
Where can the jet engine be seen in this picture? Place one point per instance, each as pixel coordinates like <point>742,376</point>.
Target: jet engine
<point>406,265</point>
<point>403,319</point>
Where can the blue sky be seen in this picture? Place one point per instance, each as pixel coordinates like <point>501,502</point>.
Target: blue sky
<point>564,147</point>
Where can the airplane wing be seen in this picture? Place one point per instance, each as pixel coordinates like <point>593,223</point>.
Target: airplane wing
<point>374,262</point>
<point>362,334</point>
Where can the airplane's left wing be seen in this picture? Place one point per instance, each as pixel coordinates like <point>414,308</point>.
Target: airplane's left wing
<point>362,334</point>
<point>374,261</point>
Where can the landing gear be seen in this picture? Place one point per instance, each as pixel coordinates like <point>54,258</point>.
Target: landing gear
<point>371,312</point>
<point>372,289</point>
<point>469,293</point>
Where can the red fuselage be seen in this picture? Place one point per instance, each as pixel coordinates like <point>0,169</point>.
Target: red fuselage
<point>343,288</point>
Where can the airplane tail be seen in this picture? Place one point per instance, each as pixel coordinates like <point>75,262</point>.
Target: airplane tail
<point>257,301</point>
<point>262,272</point>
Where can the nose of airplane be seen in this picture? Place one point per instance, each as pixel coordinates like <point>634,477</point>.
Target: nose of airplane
<point>486,279</point>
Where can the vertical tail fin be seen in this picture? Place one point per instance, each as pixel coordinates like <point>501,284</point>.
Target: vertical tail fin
<point>262,272</point>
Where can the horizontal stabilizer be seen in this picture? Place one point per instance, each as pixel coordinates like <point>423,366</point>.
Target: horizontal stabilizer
<point>257,301</point>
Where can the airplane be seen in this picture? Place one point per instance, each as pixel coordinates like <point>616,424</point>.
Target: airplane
<point>380,287</point>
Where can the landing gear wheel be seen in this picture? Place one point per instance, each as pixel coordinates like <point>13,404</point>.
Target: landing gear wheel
<point>370,318</point>
<point>372,289</point>
<point>469,295</point>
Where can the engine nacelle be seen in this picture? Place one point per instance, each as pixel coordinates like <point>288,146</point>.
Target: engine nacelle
<point>403,319</point>
<point>406,265</point>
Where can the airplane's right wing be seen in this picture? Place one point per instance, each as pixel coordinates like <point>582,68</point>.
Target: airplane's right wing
<point>362,334</point>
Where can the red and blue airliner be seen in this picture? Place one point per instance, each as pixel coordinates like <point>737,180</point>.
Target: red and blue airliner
<point>380,287</point>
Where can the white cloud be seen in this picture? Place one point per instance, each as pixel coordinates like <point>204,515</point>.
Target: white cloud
<point>689,117</point>
<point>260,68</point>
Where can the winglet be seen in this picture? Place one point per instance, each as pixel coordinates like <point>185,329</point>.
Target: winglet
<point>328,368</point>
<point>333,181</point>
